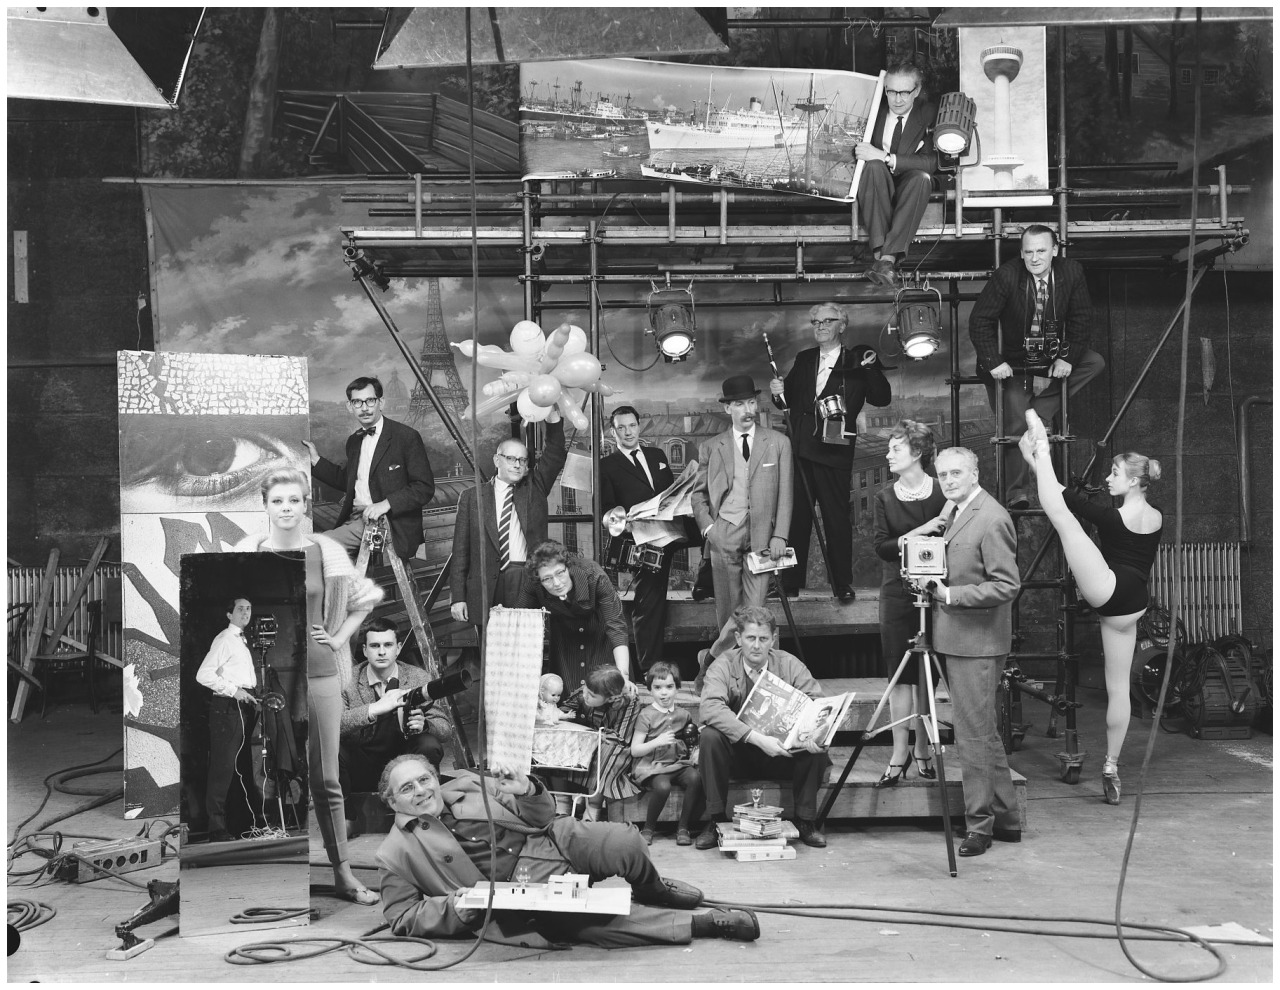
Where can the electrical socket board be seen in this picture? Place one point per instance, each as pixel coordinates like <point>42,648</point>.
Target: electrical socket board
<point>119,856</point>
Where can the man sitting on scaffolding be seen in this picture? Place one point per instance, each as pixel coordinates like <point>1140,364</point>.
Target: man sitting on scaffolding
<point>1042,304</point>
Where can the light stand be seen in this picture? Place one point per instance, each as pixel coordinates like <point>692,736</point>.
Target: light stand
<point>264,637</point>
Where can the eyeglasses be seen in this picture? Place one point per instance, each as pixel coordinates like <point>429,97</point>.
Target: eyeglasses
<point>409,788</point>
<point>514,461</point>
<point>363,403</point>
<point>823,323</point>
<point>900,94</point>
<point>554,577</point>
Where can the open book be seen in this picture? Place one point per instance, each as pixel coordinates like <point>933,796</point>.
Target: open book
<point>777,709</point>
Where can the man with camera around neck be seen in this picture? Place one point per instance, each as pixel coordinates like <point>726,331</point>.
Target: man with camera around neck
<point>377,723</point>
<point>1042,304</point>
<point>972,628</point>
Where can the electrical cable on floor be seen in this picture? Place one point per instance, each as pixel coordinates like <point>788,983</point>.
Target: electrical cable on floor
<point>49,789</point>
<point>24,914</point>
<point>265,915</point>
<point>362,950</point>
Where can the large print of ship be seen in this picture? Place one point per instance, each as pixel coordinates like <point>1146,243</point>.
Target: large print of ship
<point>604,112</point>
<point>745,129</point>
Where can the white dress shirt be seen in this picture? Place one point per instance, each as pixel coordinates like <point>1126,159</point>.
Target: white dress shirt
<point>637,455</point>
<point>367,445</point>
<point>228,666</point>
<point>516,545</point>
<point>826,364</point>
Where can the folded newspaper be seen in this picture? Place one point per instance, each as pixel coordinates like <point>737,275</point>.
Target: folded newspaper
<point>777,709</point>
<point>653,521</point>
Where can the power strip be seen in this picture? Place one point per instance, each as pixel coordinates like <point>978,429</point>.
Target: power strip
<point>90,859</point>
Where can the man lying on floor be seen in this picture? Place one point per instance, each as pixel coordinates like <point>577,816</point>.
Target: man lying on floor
<point>440,846</point>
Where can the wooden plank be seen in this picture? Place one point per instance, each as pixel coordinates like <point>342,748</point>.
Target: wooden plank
<point>82,585</point>
<point>37,632</point>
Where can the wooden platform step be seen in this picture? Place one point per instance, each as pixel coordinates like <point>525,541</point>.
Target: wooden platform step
<point>913,798</point>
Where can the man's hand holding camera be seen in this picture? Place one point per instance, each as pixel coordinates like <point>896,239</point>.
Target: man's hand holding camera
<point>244,697</point>
<point>389,702</point>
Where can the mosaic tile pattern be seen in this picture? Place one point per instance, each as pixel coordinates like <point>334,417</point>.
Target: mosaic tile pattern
<point>211,384</point>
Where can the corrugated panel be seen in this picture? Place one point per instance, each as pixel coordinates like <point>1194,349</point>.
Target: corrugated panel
<point>24,586</point>
<point>1209,599</point>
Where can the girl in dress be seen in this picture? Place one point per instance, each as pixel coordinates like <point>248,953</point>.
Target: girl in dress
<point>338,600</point>
<point>607,699</point>
<point>662,755</point>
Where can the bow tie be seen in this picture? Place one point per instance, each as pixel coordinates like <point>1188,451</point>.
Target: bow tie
<point>368,431</point>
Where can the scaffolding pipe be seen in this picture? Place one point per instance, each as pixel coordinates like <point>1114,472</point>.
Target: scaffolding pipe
<point>597,431</point>
<point>1062,137</point>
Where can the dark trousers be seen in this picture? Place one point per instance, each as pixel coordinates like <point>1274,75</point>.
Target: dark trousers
<point>649,612</point>
<point>659,788</point>
<point>830,488</point>
<point>892,206</point>
<point>360,764</point>
<point>230,729</point>
<point>719,759</point>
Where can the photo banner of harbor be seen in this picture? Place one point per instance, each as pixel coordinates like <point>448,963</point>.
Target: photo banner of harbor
<point>791,130</point>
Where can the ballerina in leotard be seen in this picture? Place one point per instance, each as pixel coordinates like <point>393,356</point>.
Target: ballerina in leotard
<point>1112,579</point>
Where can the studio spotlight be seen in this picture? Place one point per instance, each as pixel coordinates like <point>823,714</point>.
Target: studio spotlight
<point>917,321</point>
<point>362,267</point>
<point>957,122</point>
<point>671,321</point>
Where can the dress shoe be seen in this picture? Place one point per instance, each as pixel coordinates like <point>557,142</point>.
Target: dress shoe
<point>1018,499</point>
<point>975,844</point>
<point>708,838</point>
<point>700,594</point>
<point>891,779</point>
<point>732,923</point>
<point>668,893</point>
<point>999,834</point>
<point>845,594</point>
<point>881,271</point>
<point>1111,787</point>
<point>683,838</point>
<point>924,768</point>
<point>811,834</point>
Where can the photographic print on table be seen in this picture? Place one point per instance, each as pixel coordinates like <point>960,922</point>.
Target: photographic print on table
<point>775,129</point>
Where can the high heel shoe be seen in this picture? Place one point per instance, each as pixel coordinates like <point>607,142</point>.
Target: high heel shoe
<point>891,779</point>
<point>1111,787</point>
<point>924,768</point>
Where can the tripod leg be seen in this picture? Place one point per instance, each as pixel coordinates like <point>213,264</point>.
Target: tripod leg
<point>791,622</point>
<point>930,662</point>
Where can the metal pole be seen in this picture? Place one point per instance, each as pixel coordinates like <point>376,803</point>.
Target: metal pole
<point>1062,138</point>
<point>597,428</point>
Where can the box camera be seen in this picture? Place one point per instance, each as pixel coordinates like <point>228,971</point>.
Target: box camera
<point>924,557</point>
<point>1045,346</point>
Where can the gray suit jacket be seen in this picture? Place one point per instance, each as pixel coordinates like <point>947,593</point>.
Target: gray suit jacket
<point>982,573</point>
<point>768,483</point>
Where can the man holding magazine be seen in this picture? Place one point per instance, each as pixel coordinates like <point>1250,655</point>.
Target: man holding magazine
<point>729,747</point>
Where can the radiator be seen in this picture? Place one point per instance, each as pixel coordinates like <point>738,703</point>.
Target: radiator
<point>24,586</point>
<point>1210,602</point>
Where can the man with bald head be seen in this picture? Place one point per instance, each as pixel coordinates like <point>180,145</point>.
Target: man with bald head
<point>513,514</point>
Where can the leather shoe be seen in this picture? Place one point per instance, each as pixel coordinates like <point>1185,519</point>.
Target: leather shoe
<point>811,834</point>
<point>668,893</point>
<point>975,844</point>
<point>708,838</point>
<point>845,594</point>
<point>1018,499</point>
<point>736,924</point>
<point>881,271</point>
<point>999,834</point>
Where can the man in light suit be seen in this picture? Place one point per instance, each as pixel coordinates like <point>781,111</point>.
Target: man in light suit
<point>504,551</point>
<point>387,474</point>
<point>629,475</point>
<point>972,627</point>
<point>742,503</point>
<point>898,164</point>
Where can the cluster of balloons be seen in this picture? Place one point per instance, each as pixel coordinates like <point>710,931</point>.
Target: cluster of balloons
<point>540,373</point>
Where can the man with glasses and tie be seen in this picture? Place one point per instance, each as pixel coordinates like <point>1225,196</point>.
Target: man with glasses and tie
<point>898,164</point>
<point>512,512</point>
<point>387,474</point>
<point>823,435</point>
<point>630,475</point>
<point>1041,300</point>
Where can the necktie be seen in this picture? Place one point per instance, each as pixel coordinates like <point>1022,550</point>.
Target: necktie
<point>368,431</point>
<point>1042,297</point>
<point>897,136</point>
<point>504,528</point>
<point>644,468</point>
<point>746,450</point>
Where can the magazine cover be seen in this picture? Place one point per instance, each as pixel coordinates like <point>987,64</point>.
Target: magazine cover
<point>777,709</point>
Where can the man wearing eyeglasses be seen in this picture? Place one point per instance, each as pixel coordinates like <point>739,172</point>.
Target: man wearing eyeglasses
<point>823,436</point>
<point>898,164</point>
<point>513,512</point>
<point>387,474</point>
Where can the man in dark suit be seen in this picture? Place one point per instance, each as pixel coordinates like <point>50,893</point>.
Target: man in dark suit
<point>387,474</point>
<point>513,508</point>
<point>824,445</point>
<point>972,627</point>
<point>898,164</point>
<point>629,475</point>
<point>1038,295</point>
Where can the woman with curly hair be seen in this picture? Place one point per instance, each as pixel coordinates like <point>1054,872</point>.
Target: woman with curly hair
<point>338,600</point>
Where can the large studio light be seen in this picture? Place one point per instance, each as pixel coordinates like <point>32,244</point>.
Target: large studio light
<point>671,321</point>
<point>918,322</point>
<point>957,120</point>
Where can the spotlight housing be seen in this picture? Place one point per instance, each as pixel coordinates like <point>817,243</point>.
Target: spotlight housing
<point>672,322</point>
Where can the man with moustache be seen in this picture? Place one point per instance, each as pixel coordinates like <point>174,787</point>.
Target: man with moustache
<point>742,503</point>
<point>824,469</point>
<point>972,628</point>
<point>629,475</point>
<point>387,474</point>
<point>1036,294</point>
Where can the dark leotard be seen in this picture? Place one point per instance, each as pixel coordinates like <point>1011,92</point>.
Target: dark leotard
<point>1128,554</point>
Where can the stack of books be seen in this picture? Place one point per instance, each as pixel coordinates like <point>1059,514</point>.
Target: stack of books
<point>757,833</point>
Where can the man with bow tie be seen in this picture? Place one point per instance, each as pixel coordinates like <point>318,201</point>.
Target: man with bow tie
<point>898,164</point>
<point>1042,297</point>
<point>227,671</point>
<point>630,475</point>
<point>387,474</point>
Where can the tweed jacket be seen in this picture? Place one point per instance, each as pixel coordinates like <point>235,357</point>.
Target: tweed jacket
<point>359,695</point>
<point>982,573</point>
<point>768,483</point>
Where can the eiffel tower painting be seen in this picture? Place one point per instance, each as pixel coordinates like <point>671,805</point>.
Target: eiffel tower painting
<point>437,364</point>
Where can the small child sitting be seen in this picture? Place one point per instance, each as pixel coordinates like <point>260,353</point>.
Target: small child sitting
<point>662,756</point>
<point>550,688</point>
<point>607,699</point>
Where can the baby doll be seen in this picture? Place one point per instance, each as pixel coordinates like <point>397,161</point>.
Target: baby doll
<point>550,688</point>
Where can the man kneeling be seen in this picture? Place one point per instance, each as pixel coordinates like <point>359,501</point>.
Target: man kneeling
<point>440,846</point>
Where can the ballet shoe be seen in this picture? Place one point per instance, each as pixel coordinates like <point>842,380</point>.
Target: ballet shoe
<point>1111,787</point>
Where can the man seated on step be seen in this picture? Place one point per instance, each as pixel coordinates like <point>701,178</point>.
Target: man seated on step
<point>727,748</point>
<point>441,846</point>
<point>376,724</point>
